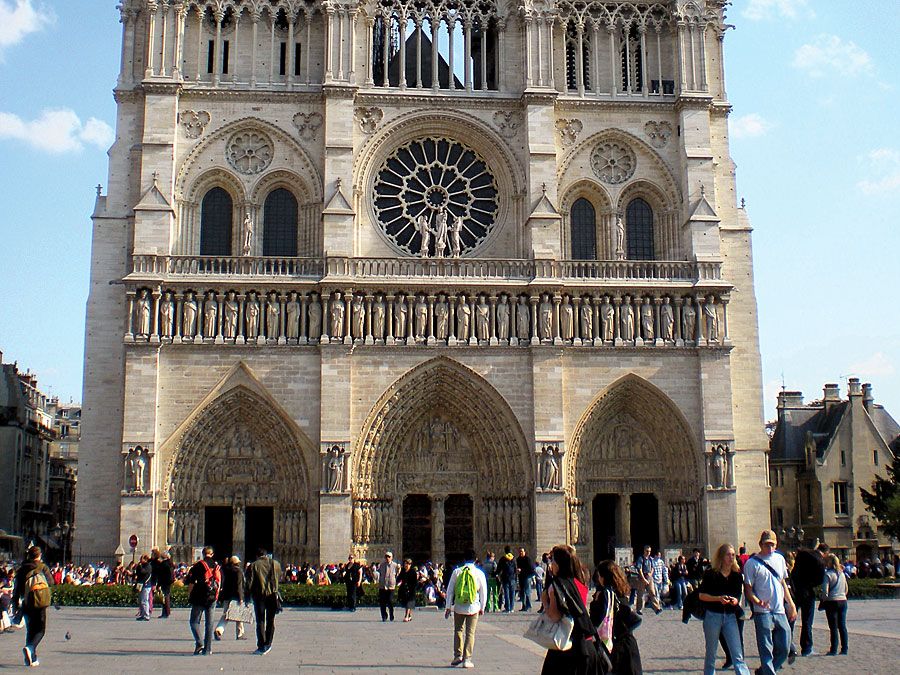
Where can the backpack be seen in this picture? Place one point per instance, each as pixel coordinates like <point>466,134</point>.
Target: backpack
<point>38,590</point>
<point>466,591</point>
<point>213,581</point>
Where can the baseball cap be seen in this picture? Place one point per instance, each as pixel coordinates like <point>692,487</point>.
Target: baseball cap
<point>768,537</point>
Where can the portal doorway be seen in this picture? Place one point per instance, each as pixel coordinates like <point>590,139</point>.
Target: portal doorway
<point>218,530</point>
<point>259,530</point>
<point>604,514</point>
<point>417,528</point>
<point>458,528</point>
<point>644,522</point>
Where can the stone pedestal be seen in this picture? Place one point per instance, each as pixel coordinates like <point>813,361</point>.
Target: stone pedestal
<point>136,517</point>
<point>334,527</point>
<point>549,519</point>
<point>723,527</point>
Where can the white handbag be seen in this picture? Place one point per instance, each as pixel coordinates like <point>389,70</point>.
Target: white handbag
<point>551,634</point>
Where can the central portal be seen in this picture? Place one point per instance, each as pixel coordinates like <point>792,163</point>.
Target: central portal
<point>259,531</point>
<point>459,535</point>
<point>417,528</point>
<point>218,530</point>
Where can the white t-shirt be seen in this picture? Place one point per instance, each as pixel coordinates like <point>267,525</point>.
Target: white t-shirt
<point>480,588</point>
<point>765,586</point>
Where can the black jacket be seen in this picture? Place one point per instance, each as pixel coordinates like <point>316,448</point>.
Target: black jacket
<point>163,572</point>
<point>19,590</point>
<point>232,583</point>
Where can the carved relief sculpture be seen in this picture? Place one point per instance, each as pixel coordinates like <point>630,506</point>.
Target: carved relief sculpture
<point>273,311</point>
<point>250,152</point>
<point>463,319</point>
<point>545,313</point>
<point>400,316</point>
<point>587,320</point>
<point>137,470</point>
<point>421,318</point>
<point>566,319</point>
<point>568,129</point>
<point>359,317</point>
<point>378,310</point>
<point>230,316</point>
<point>194,122</point>
<point>689,320</point>
<point>441,317</point>
<point>666,320</point>
<point>483,317</point>
<point>247,236</point>
<point>166,315</point>
<point>315,317</point>
<point>368,118</point>
<point>210,312</point>
<point>711,319</point>
<point>307,124</point>
<point>658,133</point>
<point>626,319</point>
<point>337,316</point>
<point>508,122</point>
<point>647,328</point>
<point>523,318</point>
<point>292,317</point>
<point>189,316</point>
<point>608,319</point>
<point>143,310</point>
<point>613,162</point>
<point>252,316</point>
<point>503,318</point>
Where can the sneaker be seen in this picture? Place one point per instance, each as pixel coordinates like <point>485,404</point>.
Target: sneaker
<point>266,649</point>
<point>29,658</point>
<point>468,664</point>
<point>456,661</point>
<point>35,663</point>
<point>258,651</point>
<point>198,649</point>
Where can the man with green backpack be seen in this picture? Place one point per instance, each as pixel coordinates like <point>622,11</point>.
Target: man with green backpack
<point>32,596</point>
<point>466,598</point>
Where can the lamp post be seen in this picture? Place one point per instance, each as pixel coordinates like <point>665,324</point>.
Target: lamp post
<point>62,532</point>
<point>793,535</point>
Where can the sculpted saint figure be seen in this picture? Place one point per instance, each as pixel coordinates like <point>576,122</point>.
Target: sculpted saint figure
<point>647,328</point>
<point>441,317</point>
<point>620,237</point>
<point>189,315</point>
<point>463,318</point>
<point>503,319</point>
<point>400,316</point>
<point>292,317</point>
<point>440,233</point>
<point>545,312</point>
<point>711,318</point>
<point>335,469</point>
<point>357,522</point>
<point>523,318</point>
<point>421,316</point>
<point>587,320</point>
<point>231,315</point>
<point>626,319</point>
<point>666,320</point>
<point>720,467</point>
<point>315,317</point>
<point>273,311</point>
<point>607,319</point>
<point>210,310</point>
<point>166,315</point>
<point>378,317</point>
<point>567,319</point>
<point>337,316</point>
<point>251,312</point>
<point>359,317</point>
<point>455,240</point>
<point>483,318</point>
<point>573,524</point>
<point>424,230</point>
<point>689,318</point>
<point>247,236</point>
<point>137,464</point>
<point>549,468</point>
<point>143,305</point>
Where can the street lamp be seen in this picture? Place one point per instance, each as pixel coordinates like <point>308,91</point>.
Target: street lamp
<point>793,535</point>
<point>62,532</point>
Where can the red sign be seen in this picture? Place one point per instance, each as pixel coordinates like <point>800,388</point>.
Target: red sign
<point>133,541</point>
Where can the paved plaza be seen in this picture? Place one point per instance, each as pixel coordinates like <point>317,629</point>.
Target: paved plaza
<point>310,641</point>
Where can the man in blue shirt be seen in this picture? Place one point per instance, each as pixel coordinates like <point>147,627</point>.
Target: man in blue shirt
<point>644,566</point>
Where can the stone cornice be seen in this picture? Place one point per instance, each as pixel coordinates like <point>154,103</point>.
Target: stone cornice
<point>339,91</point>
<point>693,102</point>
<point>566,104</point>
<point>165,88</point>
<point>427,99</point>
<point>251,95</point>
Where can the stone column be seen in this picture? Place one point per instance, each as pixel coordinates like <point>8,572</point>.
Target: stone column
<point>389,319</point>
<point>492,321</point>
<point>129,334</point>
<point>179,303</point>
<point>241,330</point>
<point>617,332</point>
<point>555,327</point>
<point>535,335</point>
<point>370,339</point>
<point>154,318</point>
<point>438,550</point>
<point>473,324</point>
<point>623,521</point>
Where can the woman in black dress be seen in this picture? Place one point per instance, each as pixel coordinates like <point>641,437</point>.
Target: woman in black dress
<point>407,582</point>
<point>615,619</point>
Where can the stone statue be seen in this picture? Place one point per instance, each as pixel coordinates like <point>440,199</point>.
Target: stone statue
<point>137,466</point>
<point>170,528</point>
<point>573,524</point>
<point>440,233</point>
<point>648,330</point>
<point>620,237</point>
<point>378,317</point>
<point>545,313</point>
<point>523,318</point>
<point>315,317</point>
<point>359,317</point>
<point>337,316</point>
<point>566,319</point>
<point>463,318</point>
<point>273,311</point>
<point>210,311</point>
<point>292,317</point>
<point>189,316</point>
<point>626,319</point>
<point>719,467</point>
<point>549,468</point>
<point>247,236</point>
<point>503,318</point>
<point>455,240</point>
<point>167,315</point>
<point>357,522</point>
<point>424,230</point>
<point>251,313</point>
<point>143,305</point>
<point>335,468</point>
<point>230,315</point>
<point>711,318</point>
<point>483,319</point>
<point>689,319</point>
<point>607,319</point>
<point>421,317</point>
<point>666,320</point>
<point>587,320</point>
<point>441,317</point>
<point>401,312</point>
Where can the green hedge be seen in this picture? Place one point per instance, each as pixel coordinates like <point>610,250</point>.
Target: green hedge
<point>294,595</point>
<point>867,589</point>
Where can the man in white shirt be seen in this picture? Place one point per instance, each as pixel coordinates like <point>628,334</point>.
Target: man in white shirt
<point>467,605</point>
<point>773,607</point>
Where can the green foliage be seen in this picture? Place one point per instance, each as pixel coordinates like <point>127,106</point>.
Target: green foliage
<point>883,501</point>
<point>867,589</point>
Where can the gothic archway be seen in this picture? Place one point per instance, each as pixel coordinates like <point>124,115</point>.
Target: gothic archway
<point>241,460</point>
<point>442,431</point>
<point>634,472</point>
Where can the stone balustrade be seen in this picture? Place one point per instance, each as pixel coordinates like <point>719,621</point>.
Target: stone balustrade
<point>446,317</point>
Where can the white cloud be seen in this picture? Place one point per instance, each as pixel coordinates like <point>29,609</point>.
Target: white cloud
<point>18,18</point>
<point>877,365</point>
<point>828,54</point>
<point>751,125</point>
<point>757,10</point>
<point>884,174</point>
<point>56,131</point>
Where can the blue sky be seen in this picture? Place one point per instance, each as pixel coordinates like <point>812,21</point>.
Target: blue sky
<point>814,134</point>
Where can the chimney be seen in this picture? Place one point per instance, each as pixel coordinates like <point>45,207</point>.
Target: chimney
<point>855,388</point>
<point>868,397</point>
<point>831,396</point>
<point>790,399</point>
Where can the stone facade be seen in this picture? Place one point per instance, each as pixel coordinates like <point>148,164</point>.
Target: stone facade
<point>373,301</point>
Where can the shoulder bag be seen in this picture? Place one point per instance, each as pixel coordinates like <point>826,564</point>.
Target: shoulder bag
<point>551,634</point>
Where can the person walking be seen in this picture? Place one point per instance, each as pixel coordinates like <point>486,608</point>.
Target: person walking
<point>262,586</point>
<point>165,577</point>
<point>353,576</point>
<point>232,597</point>
<point>407,583</point>
<point>767,592</point>
<point>31,598</point>
<point>143,583</point>
<point>614,618</point>
<point>204,580</point>
<point>489,567</point>
<point>525,573</point>
<point>679,577</point>
<point>387,582</point>
<point>466,599</point>
<point>506,573</point>
<point>643,564</point>
<point>720,593</point>
<point>834,591</point>
<point>806,578</point>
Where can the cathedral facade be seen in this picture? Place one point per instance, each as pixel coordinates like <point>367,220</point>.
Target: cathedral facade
<point>421,275</point>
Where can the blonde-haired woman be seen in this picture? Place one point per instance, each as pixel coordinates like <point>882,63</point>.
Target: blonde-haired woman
<point>834,594</point>
<point>720,592</point>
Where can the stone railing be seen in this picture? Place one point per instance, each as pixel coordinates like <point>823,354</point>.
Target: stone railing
<point>412,317</point>
<point>240,268</point>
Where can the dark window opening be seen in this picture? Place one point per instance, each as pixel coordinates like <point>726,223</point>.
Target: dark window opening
<point>280,224</point>
<point>584,231</point>
<point>215,223</point>
<point>297,59</point>
<point>211,57</point>
<point>639,230</point>
<point>225,48</point>
<point>282,59</point>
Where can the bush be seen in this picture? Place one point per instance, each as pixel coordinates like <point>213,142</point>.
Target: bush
<point>867,589</point>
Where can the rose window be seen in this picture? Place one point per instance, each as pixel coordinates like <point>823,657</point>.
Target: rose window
<point>426,177</point>
<point>250,151</point>
<point>613,162</point>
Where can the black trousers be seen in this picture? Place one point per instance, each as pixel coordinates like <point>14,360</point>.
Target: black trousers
<point>35,625</point>
<point>351,595</point>
<point>264,608</point>
<point>386,602</point>
<point>807,607</point>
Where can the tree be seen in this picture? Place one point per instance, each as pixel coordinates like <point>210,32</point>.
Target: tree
<point>883,501</point>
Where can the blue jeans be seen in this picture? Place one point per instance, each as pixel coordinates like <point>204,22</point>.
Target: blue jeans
<point>679,591</point>
<point>836,612</point>
<point>509,595</point>
<point>145,597</point>
<point>807,609</point>
<point>773,637</point>
<point>725,623</point>
<point>205,612</point>
<point>525,592</point>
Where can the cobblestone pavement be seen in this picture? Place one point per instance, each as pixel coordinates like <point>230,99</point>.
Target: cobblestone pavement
<point>110,641</point>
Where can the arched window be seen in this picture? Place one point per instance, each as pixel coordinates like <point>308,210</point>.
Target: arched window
<point>639,230</point>
<point>215,223</point>
<point>584,231</point>
<point>280,224</point>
